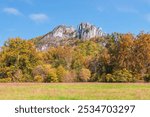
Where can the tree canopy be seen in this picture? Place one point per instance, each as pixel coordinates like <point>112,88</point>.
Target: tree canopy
<point>112,58</point>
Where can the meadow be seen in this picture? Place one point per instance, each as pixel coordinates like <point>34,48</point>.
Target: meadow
<point>74,91</point>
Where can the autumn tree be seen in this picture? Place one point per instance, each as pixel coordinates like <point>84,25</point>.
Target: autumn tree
<point>124,52</point>
<point>61,73</point>
<point>60,56</point>
<point>45,73</point>
<point>141,55</point>
<point>111,58</point>
<point>120,76</point>
<point>100,64</point>
<point>84,75</point>
<point>18,58</point>
<point>88,48</point>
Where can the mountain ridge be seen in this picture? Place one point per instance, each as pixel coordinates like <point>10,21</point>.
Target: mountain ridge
<point>84,31</point>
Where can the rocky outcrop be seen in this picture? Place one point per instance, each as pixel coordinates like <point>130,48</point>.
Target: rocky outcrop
<point>84,31</point>
<point>87,31</point>
<point>61,32</point>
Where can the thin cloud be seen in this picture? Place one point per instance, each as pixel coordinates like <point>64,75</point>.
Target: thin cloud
<point>39,18</point>
<point>12,11</point>
<point>126,9</point>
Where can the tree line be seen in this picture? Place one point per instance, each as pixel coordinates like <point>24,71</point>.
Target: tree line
<point>112,58</point>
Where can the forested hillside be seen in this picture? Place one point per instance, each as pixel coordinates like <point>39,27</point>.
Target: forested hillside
<point>110,58</point>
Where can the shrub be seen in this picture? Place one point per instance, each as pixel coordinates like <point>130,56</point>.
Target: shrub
<point>41,70</point>
<point>38,78</point>
<point>120,76</point>
<point>71,76</point>
<point>47,73</point>
<point>18,76</point>
<point>110,78</point>
<point>61,73</point>
<point>84,75</point>
<point>52,76</point>
<point>147,78</point>
<point>5,80</point>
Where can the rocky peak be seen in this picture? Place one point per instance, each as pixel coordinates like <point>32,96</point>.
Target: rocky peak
<point>87,31</point>
<point>84,31</point>
<point>61,32</point>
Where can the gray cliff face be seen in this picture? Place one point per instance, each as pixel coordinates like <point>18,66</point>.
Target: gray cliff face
<point>61,32</point>
<point>84,31</point>
<point>87,31</point>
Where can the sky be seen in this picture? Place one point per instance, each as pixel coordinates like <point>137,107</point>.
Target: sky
<point>32,18</point>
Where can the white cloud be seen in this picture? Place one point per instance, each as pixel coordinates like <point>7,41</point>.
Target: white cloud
<point>12,11</point>
<point>38,18</point>
<point>126,9</point>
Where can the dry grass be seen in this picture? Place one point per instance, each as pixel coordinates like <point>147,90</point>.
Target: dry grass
<point>75,91</point>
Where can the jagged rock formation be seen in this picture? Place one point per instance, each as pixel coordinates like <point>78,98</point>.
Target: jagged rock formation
<point>61,32</point>
<point>87,31</point>
<point>84,31</point>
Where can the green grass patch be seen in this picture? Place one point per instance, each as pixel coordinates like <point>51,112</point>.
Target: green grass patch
<point>75,91</point>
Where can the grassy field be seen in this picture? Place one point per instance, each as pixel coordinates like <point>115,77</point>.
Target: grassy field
<point>74,91</point>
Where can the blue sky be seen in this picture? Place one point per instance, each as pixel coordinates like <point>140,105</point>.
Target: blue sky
<point>31,18</point>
